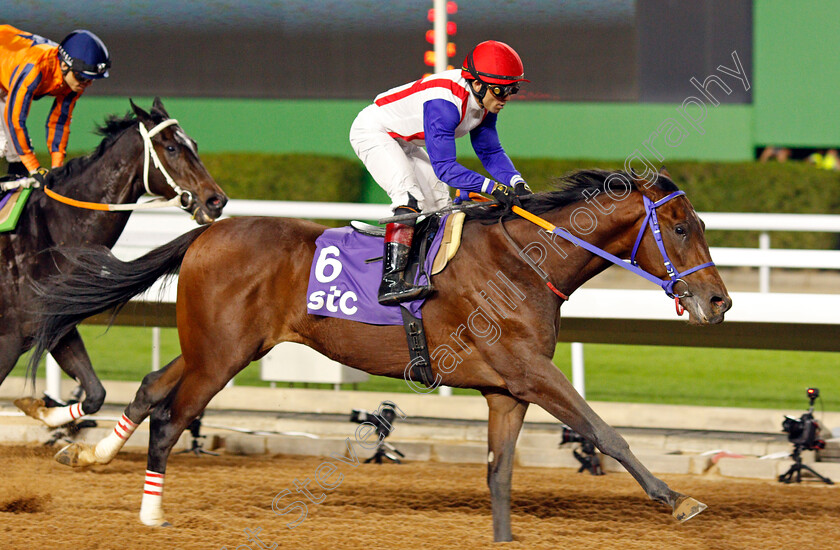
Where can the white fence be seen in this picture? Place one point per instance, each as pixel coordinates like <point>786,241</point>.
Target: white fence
<point>758,320</point>
<point>148,229</point>
<point>765,258</point>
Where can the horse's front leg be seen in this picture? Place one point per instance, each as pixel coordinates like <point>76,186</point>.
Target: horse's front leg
<point>155,387</point>
<point>72,357</point>
<point>11,347</point>
<point>506,416</point>
<point>543,384</point>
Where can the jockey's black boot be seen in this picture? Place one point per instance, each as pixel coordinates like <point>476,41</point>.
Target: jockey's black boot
<point>394,289</point>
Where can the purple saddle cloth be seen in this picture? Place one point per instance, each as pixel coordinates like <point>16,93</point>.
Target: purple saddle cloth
<point>343,284</point>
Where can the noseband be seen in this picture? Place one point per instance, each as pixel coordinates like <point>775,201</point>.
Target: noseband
<point>185,198</point>
<point>675,276</point>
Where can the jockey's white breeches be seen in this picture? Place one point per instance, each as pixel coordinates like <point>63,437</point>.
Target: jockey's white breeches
<point>398,166</point>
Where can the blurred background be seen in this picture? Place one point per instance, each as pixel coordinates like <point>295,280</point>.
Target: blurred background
<point>604,74</point>
<point>737,98</point>
<point>260,76</point>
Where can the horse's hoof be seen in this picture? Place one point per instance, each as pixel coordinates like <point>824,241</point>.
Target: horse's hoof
<point>155,522</point>
<point>31,406</point>
<point>686,508</point>
<point>76,455</point>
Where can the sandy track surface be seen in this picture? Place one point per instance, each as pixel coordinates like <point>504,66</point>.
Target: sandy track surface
<point>212,500</point>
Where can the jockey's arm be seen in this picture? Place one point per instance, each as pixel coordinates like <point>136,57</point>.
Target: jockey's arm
<point>440,118</point>
<point>58,127</point>
<point>485,142</point>
<point>18,102</point>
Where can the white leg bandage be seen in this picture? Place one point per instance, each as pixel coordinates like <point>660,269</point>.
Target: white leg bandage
<point>108,448</point>
<point>58,416</point>
<point>151,510</point>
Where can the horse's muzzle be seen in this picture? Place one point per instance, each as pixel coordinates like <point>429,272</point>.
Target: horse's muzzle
<point>719,305</point>
<point>210,210</point>
<point>706,311</point>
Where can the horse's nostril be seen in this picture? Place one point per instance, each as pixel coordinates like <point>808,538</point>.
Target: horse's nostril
<point>214,205</point>
<point>720,303</point>
<point>217,201</point>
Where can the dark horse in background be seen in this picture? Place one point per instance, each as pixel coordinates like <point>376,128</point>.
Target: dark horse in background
<point>113,174</point>
<point>242,290</point>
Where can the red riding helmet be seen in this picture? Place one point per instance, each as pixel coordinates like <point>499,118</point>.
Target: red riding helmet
<point>494,62</point>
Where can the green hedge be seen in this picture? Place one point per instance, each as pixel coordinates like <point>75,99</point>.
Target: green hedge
<point>294,177</point>
<point>297,177</point>
<point>792,187</point>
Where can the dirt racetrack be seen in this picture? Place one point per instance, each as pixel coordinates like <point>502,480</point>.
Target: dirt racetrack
<point>212,500</point>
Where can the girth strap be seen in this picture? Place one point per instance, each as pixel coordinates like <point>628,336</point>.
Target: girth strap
<point>418,349</point>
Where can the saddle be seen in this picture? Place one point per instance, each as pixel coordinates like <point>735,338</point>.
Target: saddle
<point>453,226</point>
<point>425,232</point>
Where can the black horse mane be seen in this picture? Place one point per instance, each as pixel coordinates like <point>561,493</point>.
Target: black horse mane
<point>569,189</point>
<point>113,127</point>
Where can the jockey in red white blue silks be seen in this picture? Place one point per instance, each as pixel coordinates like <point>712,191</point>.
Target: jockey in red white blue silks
<point>389,136</point>
<point>32,67</point>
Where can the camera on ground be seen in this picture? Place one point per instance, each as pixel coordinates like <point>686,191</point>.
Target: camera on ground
<point>382,420</point>
<point>805,430</point>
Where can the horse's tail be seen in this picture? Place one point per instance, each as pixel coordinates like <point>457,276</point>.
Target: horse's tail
<point>96,281</point>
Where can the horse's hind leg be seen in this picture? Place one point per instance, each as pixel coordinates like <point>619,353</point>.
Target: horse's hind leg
<point>547,387</point>
<point>506,416</point>
<point>72,357</point>
<point>155,387</point>
<point>168,421</point>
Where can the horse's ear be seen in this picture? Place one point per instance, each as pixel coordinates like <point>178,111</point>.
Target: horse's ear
<point>157,105</point>
<point>665,173</point>
<point>645,185</point>
<point>639,180</point>
<point>140,113</point>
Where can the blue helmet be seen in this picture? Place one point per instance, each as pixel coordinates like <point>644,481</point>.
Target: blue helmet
<point>85,53</point>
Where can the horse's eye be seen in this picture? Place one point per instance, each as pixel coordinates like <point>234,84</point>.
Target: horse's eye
<point>170,148</point>
<point>680,230</point>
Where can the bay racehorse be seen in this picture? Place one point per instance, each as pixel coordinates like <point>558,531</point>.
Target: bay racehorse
<point>140,153</point>
<point>242,289</point>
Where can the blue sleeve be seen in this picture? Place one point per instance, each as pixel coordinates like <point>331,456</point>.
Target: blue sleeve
<point>440,118</point>
<point>485,141</point>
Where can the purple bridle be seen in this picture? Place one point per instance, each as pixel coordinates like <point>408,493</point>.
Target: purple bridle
<point>651,220</point>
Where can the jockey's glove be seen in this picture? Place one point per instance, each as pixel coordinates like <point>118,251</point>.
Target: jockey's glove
<point>505,196</point>
<point>521,189</point>
<point>40,175</point>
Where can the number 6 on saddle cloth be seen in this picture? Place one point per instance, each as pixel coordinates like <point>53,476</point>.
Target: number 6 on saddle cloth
<point>345,275</point>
